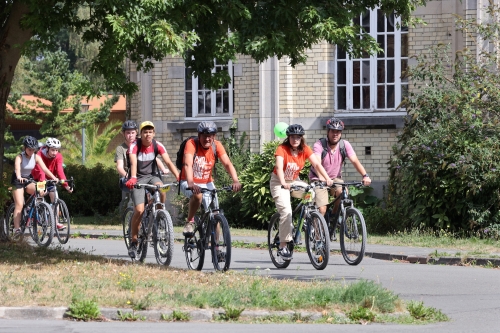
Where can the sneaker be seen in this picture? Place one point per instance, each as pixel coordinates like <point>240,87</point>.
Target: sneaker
<point>17,235</point>
<point>188,229</point>
<point>60,226</point>
<point>28,223</point>
<point>132,250</point>
<point>285,253</point>
<point>221,256</point>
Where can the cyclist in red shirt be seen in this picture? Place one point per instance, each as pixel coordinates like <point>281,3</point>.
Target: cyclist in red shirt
<point>53,159</point>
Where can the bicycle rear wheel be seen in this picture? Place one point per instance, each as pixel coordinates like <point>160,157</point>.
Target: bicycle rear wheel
<point>317,241</point>
<point>273,242</point>
<point>353,236</point>
<point>126,224</point>
<point>221,243</point>
<point>43,225</point>
<point>163,238</point>
<point>8,223</point>
<point>61,215</point>
<point>194,248</point>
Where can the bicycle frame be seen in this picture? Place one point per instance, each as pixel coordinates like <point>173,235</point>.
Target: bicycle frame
<point>207,217</point>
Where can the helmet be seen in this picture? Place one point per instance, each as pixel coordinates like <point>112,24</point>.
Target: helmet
<point>53,143</point>
<point>207,127</point>
<point>295,129</point>
<point>129,125</point>
<point>335,124</point>
<point>30,142</point>
<point>146,124</point>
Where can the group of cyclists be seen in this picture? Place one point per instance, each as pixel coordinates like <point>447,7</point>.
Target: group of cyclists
<point>138,161</point>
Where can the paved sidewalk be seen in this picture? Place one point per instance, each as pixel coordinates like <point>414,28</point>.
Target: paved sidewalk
<point>421,255</point>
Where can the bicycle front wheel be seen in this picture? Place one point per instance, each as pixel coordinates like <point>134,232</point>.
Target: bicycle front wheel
<point>317,241</point>
<point>194,248</point>
<point>43,225</point>
<point>163,238</point>
<point>353,236</point>
<point>221,243</point>
<point>273,242</point>
<point>142,239</point>
<point>8,223</point>
<point>126,224</point>
<point>61,214</point>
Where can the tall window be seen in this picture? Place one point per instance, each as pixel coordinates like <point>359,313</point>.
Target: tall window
<point>203,102</point>
<point>374,82</point>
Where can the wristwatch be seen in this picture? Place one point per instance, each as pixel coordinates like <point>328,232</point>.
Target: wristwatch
<point>366,176</point>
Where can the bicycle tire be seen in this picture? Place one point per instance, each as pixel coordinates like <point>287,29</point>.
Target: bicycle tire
<point>353,236</point>
<point>273,242</point>
<point>62,216</point>
<point>142,246</point>
<point>126,224</point>
<point>163,237</point>
<point>194,248</point>
<point>317,241</point>
<point>221,243</point>
<point>43,225</point>
<point>8,223</point>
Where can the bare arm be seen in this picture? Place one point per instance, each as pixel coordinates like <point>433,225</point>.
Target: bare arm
<point>359,168</point>
<point>120,169</point>
<point>17,167</point>
<point>133,165</point>
<point>322,174</point>
<point>226,162</point>
<point>170,165</point>
<point>279,172</point>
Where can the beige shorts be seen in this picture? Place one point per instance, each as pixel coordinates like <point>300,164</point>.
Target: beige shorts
<point>322,193</point>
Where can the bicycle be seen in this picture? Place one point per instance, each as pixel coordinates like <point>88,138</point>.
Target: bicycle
<point>351,223</point>
<point>211,232</point>
<point>61,214</point>
<point>36,215</point>
<point>307,218</point>
<point>156,225</point>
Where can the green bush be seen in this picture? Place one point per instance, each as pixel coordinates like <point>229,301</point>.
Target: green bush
<point>96,190</point>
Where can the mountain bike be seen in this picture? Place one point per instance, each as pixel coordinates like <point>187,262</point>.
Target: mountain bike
<point>211,232</point>
<point>36,215</point>
<point>61,214</point>
<point>156,225</point>
<point>350,223</point>
<point>306,218</point>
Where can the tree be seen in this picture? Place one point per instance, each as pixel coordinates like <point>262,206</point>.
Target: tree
<point>200,31</point>
<point>58,89</point>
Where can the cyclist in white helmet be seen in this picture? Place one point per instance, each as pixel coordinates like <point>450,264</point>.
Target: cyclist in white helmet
<point>53,159</point>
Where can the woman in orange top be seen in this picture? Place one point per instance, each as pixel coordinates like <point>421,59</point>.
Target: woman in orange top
<point>291,156</point>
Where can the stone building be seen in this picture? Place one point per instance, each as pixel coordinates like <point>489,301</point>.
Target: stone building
<point>365,93</point>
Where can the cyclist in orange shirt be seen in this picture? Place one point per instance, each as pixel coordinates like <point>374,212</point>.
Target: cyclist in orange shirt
<point>291,156</point>
<point>199,160</point>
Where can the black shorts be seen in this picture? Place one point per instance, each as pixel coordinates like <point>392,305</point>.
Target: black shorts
<point>15,182</point>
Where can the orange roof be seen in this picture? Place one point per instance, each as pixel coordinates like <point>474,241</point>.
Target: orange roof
<point>95,102</point>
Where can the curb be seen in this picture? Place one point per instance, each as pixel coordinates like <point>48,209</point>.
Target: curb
<point>112,314</point>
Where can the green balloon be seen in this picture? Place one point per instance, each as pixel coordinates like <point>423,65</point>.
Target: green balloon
<point>280,130</point>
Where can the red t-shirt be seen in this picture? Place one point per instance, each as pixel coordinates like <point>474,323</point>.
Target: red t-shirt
<point>204,161</point>
<point>55,165</point>
<point>292,164</point>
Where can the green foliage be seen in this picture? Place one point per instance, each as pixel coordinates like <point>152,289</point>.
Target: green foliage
<point>96,190</point>
<point>444,169</point>
<point>256,201</point>
<point>176,315</point>
<point>421,312</point>
<point>49,78</point>
<point>97,142</point>
<point>129,316</point>
<point>83,309</point>
<point>360,314</point>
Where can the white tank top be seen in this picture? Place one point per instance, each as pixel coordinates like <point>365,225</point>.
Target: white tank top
<point>27,165</point>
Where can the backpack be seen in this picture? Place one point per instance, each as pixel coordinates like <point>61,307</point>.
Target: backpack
<point>342,149</point>
<point>179,162</point>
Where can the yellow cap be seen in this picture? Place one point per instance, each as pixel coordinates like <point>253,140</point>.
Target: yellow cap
<point>146,123</point>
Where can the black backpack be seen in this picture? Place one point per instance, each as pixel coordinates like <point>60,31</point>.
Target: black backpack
<point>180,155</point>
<point>343,151</point>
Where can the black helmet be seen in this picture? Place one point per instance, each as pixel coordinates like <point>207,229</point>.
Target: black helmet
<point>335,124</point>
<point>207,127</point>
<point>129,125</point>
<point>30,142</point>
<point>295,129</point>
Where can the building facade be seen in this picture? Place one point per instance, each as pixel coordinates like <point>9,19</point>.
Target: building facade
<point>365,93</point>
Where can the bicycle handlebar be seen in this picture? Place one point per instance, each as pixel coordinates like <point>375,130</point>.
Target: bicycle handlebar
<point>357,184</point>
<point>154,187</point>
<point>228,188</point>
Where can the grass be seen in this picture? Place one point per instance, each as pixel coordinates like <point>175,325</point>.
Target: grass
<point>56,277</point>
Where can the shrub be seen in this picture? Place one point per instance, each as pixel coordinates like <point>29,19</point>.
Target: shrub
<point>96,190</point>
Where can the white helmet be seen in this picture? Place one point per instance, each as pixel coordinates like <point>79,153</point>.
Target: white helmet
<point>53,143</point>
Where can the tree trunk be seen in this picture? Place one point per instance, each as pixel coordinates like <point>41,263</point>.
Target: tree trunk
<point>12,39</point>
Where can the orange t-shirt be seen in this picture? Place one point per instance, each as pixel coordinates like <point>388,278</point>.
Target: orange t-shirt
<point>204,160</point>
<point>292,164</point>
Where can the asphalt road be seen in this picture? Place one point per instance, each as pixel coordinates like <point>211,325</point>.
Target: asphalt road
<point>470,296</point>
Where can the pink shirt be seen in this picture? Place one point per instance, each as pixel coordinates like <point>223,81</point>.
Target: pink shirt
<point>332,161</point>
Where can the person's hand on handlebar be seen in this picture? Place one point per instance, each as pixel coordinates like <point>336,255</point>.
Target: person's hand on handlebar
<point>329,182</point>
<point>236,186</point>
<point>286,186</point>
<point>195,188</point>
